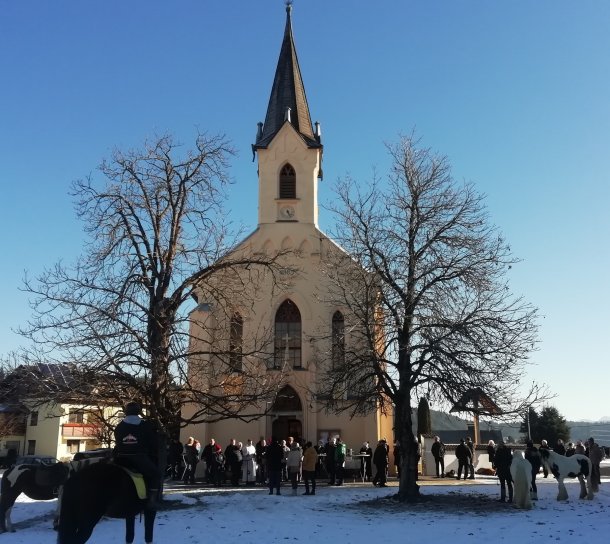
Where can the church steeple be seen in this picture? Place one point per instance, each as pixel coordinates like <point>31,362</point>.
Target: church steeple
<point>289,148</point>
<point>287,102</point>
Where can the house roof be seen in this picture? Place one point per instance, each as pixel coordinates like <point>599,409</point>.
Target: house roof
<point>287,93</point>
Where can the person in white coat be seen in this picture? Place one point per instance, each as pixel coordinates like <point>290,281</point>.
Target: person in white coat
<point>294,463</point>
<point>248,466</point>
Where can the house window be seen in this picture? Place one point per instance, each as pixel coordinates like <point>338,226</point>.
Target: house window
<point>13,445</point>
<point>73,446</point>
<point>287,336</point>
<point>288,182</point>
<point>31,447</point>
<point>338,340</point>
<point>76,416</point>
<point>235,342</point>
<point>33,419</point>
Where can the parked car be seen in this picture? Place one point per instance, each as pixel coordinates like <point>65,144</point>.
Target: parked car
<point>36,460</point>
<point>88,454</point>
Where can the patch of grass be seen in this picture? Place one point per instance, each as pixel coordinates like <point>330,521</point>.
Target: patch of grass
<point>452,503</point>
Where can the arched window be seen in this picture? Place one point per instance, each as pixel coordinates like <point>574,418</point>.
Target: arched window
<point>288,182</point>
<point>236,335</point>
<point>287,336</point>
<point>338,340</point>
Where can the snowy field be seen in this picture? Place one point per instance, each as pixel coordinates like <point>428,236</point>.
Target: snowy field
<point>462,513</point>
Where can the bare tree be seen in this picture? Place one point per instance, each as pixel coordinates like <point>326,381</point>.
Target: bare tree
<point>158,245</point>
<point>430,308</point>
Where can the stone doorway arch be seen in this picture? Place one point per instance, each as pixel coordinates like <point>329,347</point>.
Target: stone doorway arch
<point>287,414</point>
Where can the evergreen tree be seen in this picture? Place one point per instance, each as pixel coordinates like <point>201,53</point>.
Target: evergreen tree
<point>549,425</point>
<point>424,422</point>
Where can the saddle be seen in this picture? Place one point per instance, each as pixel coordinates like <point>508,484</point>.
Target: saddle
<point>138,482</point>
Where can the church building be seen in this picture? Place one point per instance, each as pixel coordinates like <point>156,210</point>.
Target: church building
<point>306,329</point>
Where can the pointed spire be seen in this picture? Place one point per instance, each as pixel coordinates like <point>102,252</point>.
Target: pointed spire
<point>287,101</point>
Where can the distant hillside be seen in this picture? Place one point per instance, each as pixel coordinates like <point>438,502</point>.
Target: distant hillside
<point>579,430</point>
<point>599,430</point>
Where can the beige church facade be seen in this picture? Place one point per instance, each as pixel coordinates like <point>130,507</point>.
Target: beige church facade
<point>306,329</point>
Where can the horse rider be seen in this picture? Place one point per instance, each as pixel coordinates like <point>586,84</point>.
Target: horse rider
<point>137,449</point>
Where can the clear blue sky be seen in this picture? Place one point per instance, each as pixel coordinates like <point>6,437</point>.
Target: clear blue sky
<point>517,94</point>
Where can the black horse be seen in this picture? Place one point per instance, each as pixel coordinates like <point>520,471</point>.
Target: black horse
<point>98,490</point>
<point>38,482</point>
<point>41,481</point>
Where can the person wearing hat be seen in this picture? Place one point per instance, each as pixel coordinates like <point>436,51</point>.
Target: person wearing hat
<point>137,448</point>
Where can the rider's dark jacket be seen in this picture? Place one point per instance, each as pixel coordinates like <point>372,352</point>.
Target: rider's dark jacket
<point>137,447</point>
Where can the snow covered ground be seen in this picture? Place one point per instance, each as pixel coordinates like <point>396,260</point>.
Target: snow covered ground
<point>464,513</point>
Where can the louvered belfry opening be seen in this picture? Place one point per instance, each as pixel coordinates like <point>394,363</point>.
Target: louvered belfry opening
<point>288,182</point>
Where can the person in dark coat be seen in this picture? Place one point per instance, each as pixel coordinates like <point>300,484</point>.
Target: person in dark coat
<point>491,451</point>
<point>274,456</point>
<point>233,458</point>
<point>560,448</point>
<point>470,446</point>
<point>174,459</point>
<point>570,450</point>
<point>191,459</point>
<point>209,456</point>
<point>396,454</point>
<point>503,460</point>
<point>533,456</point>
<point>544,446</point>
<point>463,455</point>
<point>438,452</point>
<point>137,448</point>
<point>331,466</point>
<point>366,468</point>
<point>380,460</point>
<point>217,472</point>
<point>261,473</point>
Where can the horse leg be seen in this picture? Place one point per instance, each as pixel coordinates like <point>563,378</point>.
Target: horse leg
<point>6,506</point>
<point>149,524</point>
<point>58,508</point>
<point>590,487</point>
<point>563,492</point>
<point>130,529</point>
<point>583,487</point>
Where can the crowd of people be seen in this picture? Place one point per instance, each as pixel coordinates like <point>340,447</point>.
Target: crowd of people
<point>500,458</point>
<point>503,457</point>
<point>287,461</point>
<point>270,464</point>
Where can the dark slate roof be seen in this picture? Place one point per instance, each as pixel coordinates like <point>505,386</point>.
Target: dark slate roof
<point>453,437</point>
<point>287,92</point>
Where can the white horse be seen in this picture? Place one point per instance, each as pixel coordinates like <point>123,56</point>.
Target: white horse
<point>521,472</point>
<point>576,466</point>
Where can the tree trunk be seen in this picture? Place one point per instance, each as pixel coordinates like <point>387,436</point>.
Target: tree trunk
<point>408,488</point>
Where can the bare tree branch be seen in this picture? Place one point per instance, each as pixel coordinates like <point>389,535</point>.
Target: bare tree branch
<point>158,244</point>
<point>431,311</point>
